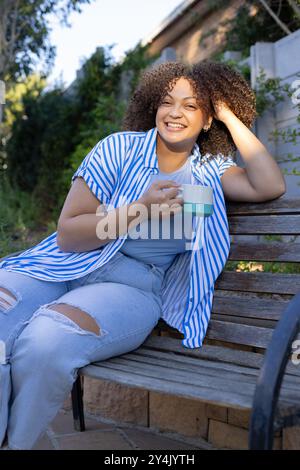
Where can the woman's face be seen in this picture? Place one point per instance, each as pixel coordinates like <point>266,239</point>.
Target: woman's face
<point>179,118</point>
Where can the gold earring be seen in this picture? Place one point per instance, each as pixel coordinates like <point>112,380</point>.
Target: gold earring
<point>206,128</point>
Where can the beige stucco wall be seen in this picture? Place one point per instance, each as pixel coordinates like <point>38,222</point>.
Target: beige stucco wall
<point>187,44</point>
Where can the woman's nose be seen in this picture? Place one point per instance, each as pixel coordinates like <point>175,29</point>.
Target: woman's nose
<point>175,111</point>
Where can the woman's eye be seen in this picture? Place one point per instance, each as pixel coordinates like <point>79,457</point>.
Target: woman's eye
<point>190,106</point>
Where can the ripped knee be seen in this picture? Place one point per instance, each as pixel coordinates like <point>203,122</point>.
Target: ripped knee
<point>84,320</point>
<point>7,300</point>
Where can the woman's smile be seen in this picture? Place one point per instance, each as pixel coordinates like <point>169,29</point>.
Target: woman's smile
<point>175,127</point>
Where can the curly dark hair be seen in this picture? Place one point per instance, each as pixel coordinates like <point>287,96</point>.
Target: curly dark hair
<point>211,82</point>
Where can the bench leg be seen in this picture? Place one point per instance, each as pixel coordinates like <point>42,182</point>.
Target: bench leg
<point>261,431</point>
<point>77,405</point>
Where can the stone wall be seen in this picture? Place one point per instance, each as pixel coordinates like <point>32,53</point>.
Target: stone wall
<point>280,59</point>
<point>221,427</point>
<point>205,39</point>
<point>196,33</point>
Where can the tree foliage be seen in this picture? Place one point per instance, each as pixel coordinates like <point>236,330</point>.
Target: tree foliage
<point>54,130</point>
<point>253,23</point>
<point>24,34</point>
<point>40,140</point>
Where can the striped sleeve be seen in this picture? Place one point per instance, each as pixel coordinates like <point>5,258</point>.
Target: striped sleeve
<point>99,169</point>
<point>225,163</point>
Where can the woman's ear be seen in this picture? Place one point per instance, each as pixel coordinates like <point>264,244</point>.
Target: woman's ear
<point>207,126</point>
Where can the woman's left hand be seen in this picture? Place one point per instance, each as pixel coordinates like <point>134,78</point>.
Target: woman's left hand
<point>222,111</point>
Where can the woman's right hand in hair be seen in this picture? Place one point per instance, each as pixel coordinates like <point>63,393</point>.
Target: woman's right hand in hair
<point>162,198</point>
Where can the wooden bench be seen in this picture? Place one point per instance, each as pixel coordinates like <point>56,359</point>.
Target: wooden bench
<point>246,360</point>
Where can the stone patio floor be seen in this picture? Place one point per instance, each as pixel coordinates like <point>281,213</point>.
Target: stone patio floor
<point>108,435</point>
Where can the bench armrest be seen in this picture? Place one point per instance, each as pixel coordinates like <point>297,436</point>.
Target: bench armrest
<point>269,382</point>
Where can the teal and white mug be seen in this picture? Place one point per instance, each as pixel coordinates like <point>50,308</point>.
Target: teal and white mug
<point>197,199</point>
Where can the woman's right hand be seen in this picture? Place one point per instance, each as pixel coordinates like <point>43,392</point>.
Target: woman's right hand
<point>161,196</point>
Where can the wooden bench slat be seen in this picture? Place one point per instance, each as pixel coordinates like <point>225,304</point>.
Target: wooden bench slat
<point>274,283</point>
<point>240,334</point>
<point>286,204</point>
<point>203,377</point>
<point>181,371</point>
<point>214,365</point>
<point>179,389</point>
<point>222,370</point>
<point>264,224</point>
<point>244,320</point>
<point>182,362</point>
<point>248,305</point>
<point>189,379</point>
<point>214,353</point>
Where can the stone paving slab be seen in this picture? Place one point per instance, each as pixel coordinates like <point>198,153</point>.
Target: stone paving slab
<point>104,435</point>
<point>151,441</point>
<point>94,440</point>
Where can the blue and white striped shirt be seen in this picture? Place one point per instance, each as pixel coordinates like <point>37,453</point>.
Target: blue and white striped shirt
<point>155,241</point>
<point>117,171</point>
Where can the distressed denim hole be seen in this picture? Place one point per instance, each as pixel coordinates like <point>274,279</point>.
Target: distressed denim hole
<point>78,316</point>
<point>7,300</point>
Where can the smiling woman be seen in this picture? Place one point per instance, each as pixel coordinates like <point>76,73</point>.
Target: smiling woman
<point>84,295</point>
<point>179,121</point>
<point>213,105</point>
<point>198,88</point>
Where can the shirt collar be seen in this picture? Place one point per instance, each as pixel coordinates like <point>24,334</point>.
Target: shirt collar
<point>149,150</point>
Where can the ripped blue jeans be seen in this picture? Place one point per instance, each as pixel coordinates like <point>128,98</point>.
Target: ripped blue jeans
<point>41,349</point>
